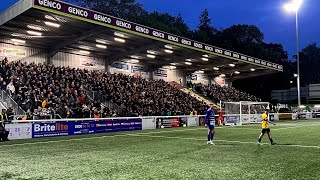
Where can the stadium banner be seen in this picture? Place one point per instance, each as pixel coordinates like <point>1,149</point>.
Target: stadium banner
<point>90,63</point>
<point>12,52</point>
<point>40,130</point>
<point>233,119</point>
<point>117,125</point>
<point>167,122</point>
<point>160,72</point>
<point>120,66</point>
<point>117,23</point>
<point>19,131</point>
<point>139,69</point>
<point>85,127</point>
<point>285,116</point>
<point>148,123</point>
<point>273,117</point>
<point>192,121</point>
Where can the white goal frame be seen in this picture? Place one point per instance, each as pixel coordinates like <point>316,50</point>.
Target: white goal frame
<point>245,118</point>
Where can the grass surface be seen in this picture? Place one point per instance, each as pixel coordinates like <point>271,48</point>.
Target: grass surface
<point>169,154</point>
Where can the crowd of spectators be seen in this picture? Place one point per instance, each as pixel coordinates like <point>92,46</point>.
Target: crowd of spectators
<point>225,94</point>
<point>145,97</point>
<point>45,90</point>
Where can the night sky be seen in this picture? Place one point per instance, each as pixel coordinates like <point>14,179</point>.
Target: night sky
<point>278,26</point>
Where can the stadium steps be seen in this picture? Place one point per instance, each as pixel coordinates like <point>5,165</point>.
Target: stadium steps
<point>199,97</point>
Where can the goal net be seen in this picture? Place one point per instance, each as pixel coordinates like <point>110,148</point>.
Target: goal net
<point>244,112</point>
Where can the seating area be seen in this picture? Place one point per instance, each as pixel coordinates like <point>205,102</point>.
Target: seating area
<point>45,90</point>
<point>225,94</point>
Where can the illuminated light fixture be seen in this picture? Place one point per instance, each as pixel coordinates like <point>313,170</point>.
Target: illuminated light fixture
<point>35,28</point>
<point>101,41</point>
<point>168,46</point>
<point>151,56</point>
<point>168,51</point>
<point>232,65</point>
<point>52,24</point>
<point>18,41</point>
<point>84,52</point>
<point>317,106</point>
<point>216,68</point>
<point>189,60</point>
<point>293,6</point>
<point>120,40</point>
<point>201,72</point>
<point>172,67</point>
<point>135,57</point>
<point>205,55</point>
<point>15,35</point>
<point>205,59</point>
<point>34,33</point>
<point>252,69</point>
<point>173,64</point>
<point>237,72</point>
<point>101,46</point>
<point>134,60</point>
<point>49,17</point>
<point>302,106</point>
<point>119,34</point>
<point>151,52</point>
<point>222,75</point>
<point>291,82</point>
<point>295,75</point>
<point>188,63</point>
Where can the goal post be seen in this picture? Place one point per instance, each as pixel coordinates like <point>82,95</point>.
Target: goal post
<point>244,112</point>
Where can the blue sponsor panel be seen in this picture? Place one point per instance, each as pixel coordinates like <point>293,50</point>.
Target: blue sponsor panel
<point>104,126</point>
<point>41,130</point>
<point>117,125</point>
<point>78,128</point>
<point>135,124</point>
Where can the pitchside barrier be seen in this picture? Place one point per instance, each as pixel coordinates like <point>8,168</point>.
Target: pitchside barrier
<point>27,129</point>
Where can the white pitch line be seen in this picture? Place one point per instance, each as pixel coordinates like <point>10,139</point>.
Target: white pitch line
<point>292,127</point>
<point>147,135</point>
<point>240,142</point>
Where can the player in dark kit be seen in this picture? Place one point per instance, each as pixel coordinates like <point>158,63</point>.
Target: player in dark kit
<point>210,122</point>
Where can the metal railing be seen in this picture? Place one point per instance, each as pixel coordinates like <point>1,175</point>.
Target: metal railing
<point>9,102</point>
<point>122,111</point>
<point>99,97</point>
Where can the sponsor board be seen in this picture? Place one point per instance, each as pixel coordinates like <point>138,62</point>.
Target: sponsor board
<point>90,63</point>
<point>168,122</point>
<point>118,125</point>
<point>12,52</point>
<point>78,128</point>
<point>40,130</point>
<point>19,131</point>
<point>116,23</point>
<point>285,116</point>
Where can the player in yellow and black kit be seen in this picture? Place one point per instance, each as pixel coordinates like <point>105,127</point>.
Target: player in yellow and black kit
<point>265,127</point>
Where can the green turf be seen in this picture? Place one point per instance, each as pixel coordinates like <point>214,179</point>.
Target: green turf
<point>169,154</point>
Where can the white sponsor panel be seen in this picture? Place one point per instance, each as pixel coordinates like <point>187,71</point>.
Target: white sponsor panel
<point>90,63</point>
<point>148,123</point>
<point>19,131</point>
<point>192,121</point>
<point>12,52</point>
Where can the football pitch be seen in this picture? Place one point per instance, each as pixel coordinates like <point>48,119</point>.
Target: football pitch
<point>177,153</point>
